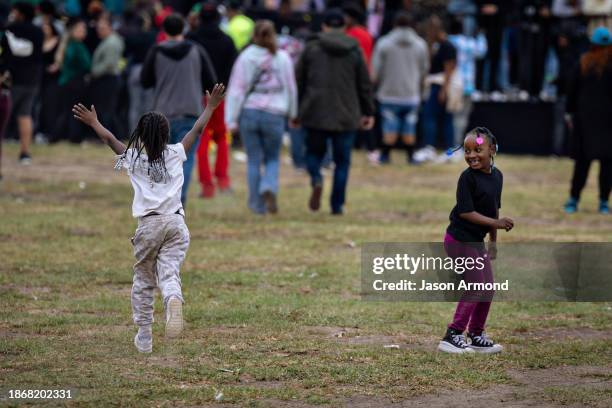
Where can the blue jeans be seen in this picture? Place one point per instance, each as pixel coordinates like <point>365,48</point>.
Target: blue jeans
<point>316,146</point>
<point>298,149</point>
<point>178,129</point>
<point>398,119</point>
<point>262,134</point>
<point>435,116</point>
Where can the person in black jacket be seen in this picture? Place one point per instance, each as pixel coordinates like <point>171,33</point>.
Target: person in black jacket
<point>22,56</point>
<point>335,99</point>
<point>491,16</point>
<point>590,106</point>
<point>217,43</point>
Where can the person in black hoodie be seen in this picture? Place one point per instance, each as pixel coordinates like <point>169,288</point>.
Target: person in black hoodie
<point>335,99</point>
<point>589,106</point>
<point>22,56</point>
<point>217,43</point>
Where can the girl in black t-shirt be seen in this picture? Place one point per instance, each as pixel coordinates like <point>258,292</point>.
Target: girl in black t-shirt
<point>475,215</point>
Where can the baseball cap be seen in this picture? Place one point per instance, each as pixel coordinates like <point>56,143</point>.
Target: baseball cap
<point>601,36</point>
<point>333,18</point>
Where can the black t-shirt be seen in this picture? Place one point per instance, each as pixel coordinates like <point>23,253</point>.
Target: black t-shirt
<point>442,52</point>
<point>22,53</point>
<point>480,192</point>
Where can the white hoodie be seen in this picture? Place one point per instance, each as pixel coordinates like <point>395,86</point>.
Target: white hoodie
<point>269,81</point>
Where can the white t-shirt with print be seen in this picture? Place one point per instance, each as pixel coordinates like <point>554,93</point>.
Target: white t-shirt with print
<point>162,197</point>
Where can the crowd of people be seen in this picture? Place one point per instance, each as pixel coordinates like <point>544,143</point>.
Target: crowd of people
<point>419,74</point>
<point>334,75</point>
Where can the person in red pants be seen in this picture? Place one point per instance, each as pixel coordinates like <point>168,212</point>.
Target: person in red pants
<point>217,43</point>
<point>217,132</point>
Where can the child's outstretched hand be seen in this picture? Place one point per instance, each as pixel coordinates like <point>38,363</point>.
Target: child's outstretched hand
<point>88,117</point>
<point>216,96</point>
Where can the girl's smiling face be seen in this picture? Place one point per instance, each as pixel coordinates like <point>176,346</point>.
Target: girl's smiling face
<point>478,152</point>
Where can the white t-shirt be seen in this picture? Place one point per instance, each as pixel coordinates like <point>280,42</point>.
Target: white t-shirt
<point>162,197</point>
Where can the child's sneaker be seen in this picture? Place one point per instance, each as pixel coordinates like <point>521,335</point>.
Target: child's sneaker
<point>144,339</point>
<point>454,343</point>
<point>174,317</point>
<point>603,207</point>
<point>482,344</point>
<point>571,205</point>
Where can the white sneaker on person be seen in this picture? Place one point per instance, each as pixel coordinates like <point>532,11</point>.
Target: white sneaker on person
<point>454,343</point>
<point>144,340</point>
<point>425,154</point>
<point>482,344</point>
<point>174,317</point>
<point>374,158</point>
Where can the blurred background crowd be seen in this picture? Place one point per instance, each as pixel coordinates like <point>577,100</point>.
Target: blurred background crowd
<point>462,52</point>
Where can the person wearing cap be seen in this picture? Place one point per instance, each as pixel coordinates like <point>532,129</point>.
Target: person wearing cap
<point>217,43</point>
<point>589,108</point>
<point>239,27</point>
<point>335,99</point>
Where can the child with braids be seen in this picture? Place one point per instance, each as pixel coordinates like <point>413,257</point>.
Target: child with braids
<point>475,215</point>
<point>162,238</point>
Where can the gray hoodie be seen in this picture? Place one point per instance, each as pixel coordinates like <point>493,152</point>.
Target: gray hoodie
<point>180,71</point>
<point>399,65</point>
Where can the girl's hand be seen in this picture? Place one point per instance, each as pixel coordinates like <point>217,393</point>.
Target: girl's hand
<point>216,96</point>
<point>504,223</point>
<point>88,117</point>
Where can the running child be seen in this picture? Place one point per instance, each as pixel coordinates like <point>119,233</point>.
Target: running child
<point>162,238</point>
<point>475,215</point>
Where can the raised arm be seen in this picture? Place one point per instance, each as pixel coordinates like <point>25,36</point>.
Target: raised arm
<point>213,99</point>
<point>90,118</point>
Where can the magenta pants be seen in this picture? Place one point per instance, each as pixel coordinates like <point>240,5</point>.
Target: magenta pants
<point>471,313</point>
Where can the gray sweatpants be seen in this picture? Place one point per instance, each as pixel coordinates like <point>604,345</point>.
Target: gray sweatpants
<point>160,246</point>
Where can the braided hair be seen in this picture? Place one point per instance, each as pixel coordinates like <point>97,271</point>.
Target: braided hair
<point>151,135</point>
<point>480,131</point>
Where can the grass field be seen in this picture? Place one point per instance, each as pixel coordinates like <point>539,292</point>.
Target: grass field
<point>273,312</point>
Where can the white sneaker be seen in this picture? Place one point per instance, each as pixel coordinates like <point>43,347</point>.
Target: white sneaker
<point>427,153</point>
<point>497,96</point>
<point>482,344</point>
<point>174,317</point>
<point>374,157</point>
<point>454,343</point>
<point>144,340</point>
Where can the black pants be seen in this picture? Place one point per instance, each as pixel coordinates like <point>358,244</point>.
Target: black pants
<point>493,57</point>
<point>581,173</point>
<point>104,94</point>
<point>533,53</point>
<point>66,126</point>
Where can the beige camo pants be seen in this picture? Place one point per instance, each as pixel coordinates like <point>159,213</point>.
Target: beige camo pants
<point>160,245</point>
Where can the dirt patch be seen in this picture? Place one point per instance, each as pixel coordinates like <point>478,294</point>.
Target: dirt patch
<point>26,290</point>
<point>165,361</point>
<point>527,392</point>
<point>570,333</point>
<point>588,376</point>
<point>353,336</point>
<point>249,381</point>
<point>46,170</point>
